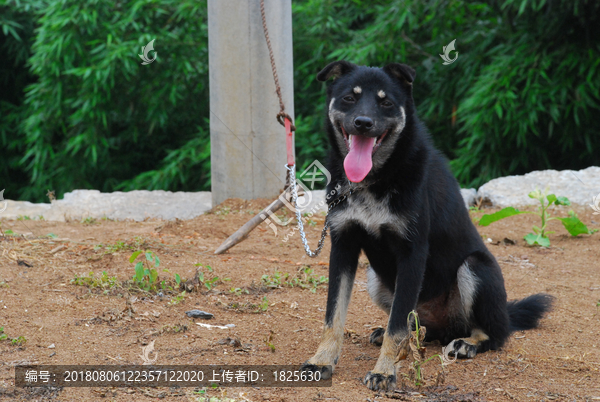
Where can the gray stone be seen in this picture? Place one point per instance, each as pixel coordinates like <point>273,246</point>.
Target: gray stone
<point>578,186</point>
<point>15,209</point>
<point>136,205</point>
<point>199,314</point>
<point>469,196</point>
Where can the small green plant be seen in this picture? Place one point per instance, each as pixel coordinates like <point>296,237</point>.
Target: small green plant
<point>238,291</point>
<point>305,278</point>
<point>89,221</point>
<point>223,211</point>
<point>164,285</point>
<point>274,281</point>
<point>248,307</point>
<point>91,281</point>
<point>136,244</point>
<point>3,284</point>
<point>23,218</point>
<point>269,341</point>
<point>118,246</point>
<point>210,280</point>
<point>412,345</point>
<point>18,341</point>
<point>51,236</point>
<point>264,305</point>
<point>146,274</point>
<point>178,299</point>
<point>540,234</point>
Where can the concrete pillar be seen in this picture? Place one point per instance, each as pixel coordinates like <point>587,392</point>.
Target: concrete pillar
<point>248,150</point>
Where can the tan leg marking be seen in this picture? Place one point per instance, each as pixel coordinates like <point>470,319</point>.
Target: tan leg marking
<point>330,347</point>
<point>477,336</point>
<point>383,375</point>
<point>387,356</point>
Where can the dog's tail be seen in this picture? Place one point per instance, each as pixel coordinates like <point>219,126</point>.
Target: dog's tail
<point>526,313</point>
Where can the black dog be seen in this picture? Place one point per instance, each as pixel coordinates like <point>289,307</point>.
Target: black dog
<point>408,216</point>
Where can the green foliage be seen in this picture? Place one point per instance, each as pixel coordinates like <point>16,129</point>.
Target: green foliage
<point>238,291</point>
<point>210,280</point>
<point>80,111</point>
<point>412,345</point>
<point>540,235</point>
<point>274,281</point>
<point>269,340</point>
<point>305,278</point>
<point>146,274</point>
<point>178,299</point>
<point>137,243</point>
<point>95,117</point>
<point>18,341</point>
<point>104,282</point>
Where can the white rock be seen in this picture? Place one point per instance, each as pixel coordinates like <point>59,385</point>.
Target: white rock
<point>51,346</point>
<point>469,196</point>
<point>136,205</point>
<point>578,186</point>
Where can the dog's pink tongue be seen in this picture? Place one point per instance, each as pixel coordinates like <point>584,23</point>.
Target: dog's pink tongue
<point>358,162</point>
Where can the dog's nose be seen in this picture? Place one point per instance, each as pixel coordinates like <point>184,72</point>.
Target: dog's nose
<point>363,123</point>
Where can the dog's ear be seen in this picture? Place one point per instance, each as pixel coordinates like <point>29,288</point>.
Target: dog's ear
<point>401,71</point>
<point>335,70</point>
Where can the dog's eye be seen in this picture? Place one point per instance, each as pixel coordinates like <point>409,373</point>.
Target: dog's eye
<point>348,98</point>
<point>387,103</point>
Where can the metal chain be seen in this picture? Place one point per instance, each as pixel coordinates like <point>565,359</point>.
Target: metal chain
<point>335,203</point>
<point>282,114</point>
<point>292,173</point>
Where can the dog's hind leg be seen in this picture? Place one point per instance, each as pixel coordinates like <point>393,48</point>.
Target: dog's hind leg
<point>467,348</point>
<point>382,297</point>
<point>342,270</point>
<point>484,306</point>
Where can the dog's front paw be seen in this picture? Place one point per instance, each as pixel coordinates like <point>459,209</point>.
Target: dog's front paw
<point>379,381</point>
<point>462,349</point>
<point>377,336</point>
<point>326,371</point>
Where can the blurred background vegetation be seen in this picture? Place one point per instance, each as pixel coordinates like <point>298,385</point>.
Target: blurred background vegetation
<point>78,110</point>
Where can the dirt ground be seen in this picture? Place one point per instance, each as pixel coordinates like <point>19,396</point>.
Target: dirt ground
<point>109,325</point>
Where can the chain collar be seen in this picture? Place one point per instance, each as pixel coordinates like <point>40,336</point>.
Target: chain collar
<point>341,198</point>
